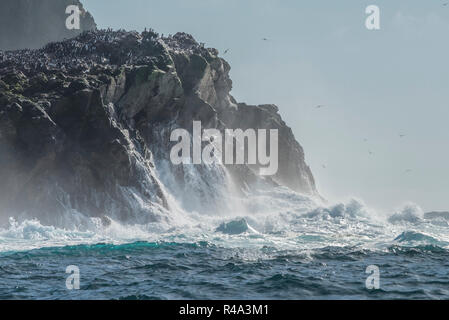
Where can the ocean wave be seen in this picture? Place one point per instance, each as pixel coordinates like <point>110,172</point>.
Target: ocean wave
<point>418,250</point>
<point>411,236</point>
<point>277,218</point>
<point>411,213</point>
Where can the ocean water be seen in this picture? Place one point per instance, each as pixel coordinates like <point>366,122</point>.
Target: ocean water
<point>284,246</point>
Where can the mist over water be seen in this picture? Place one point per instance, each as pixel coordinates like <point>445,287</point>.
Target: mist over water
<point>213,237</point>
<point>267,243</point>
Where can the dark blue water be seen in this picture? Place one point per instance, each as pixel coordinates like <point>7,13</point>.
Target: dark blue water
<point>144,270</point>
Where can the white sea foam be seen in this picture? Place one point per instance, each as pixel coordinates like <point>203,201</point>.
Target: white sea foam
<point>275,217</point>
<point>279,218</point>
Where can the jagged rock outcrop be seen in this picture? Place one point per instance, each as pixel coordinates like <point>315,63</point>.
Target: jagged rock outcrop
<point>31,24</point>
<point>85,127</point>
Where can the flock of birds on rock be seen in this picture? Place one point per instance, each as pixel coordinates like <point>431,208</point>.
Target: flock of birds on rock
<point>69,52</point>
<point>99,47</point>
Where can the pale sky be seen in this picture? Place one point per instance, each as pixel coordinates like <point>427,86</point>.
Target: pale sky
<point>375,85</point>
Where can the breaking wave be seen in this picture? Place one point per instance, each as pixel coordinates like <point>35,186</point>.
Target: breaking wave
<point>275,217</point>
<point>270,243</point>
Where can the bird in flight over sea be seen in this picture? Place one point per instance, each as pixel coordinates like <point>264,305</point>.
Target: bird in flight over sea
<point>401,135</point>
<point>226,51</point>
<point>408,171</point>
<point>320,106</point>
<point>445,4</point>
<point>264,39</point>
<point>371,153</point>
<point>324,166</point>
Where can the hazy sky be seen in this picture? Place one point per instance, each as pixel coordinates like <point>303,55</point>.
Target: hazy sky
<point>375,85</point>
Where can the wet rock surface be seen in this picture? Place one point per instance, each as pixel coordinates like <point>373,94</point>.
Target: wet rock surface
<point>85,125</point>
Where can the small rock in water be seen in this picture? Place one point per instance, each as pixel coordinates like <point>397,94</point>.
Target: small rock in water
<point>233,227</point>
<point>437,214</point>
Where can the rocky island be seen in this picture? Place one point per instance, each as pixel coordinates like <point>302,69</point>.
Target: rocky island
<point>85,128</point>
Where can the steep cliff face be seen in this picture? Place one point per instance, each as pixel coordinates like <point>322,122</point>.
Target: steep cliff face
<point>85,128</point>
<point>34,23</point>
